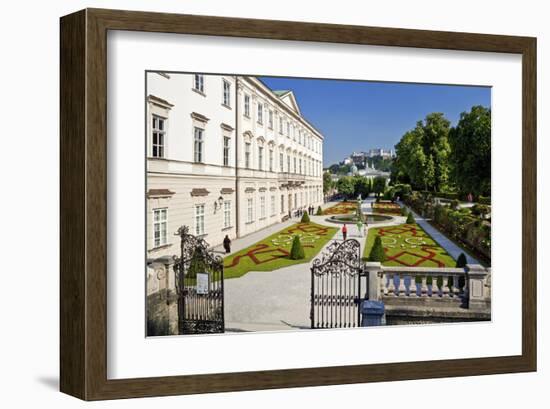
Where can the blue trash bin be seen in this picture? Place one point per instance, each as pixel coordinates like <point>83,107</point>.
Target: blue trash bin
<point>372,313</point>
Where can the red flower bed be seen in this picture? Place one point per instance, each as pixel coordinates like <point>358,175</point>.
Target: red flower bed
<point>387,208</point>
<point>342,208</point>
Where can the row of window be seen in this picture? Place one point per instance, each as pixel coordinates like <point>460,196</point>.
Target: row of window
<point>285,127</point>
<point>198,85</point>
<point>289,130</point>
<point>160,216</point>
<point>301,166</point>
<point>160,222</point>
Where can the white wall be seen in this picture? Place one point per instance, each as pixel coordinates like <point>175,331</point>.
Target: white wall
<point>29,341</point>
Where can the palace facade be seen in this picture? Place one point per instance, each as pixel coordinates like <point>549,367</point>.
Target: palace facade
<point>225,155</point>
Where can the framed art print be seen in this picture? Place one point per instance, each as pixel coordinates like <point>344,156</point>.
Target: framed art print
<point>253,204</point>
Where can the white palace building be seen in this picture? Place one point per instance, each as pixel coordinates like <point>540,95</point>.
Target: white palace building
<point>225,155</point>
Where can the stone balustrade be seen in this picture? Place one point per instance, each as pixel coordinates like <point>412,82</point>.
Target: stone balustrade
<point>469,286</point>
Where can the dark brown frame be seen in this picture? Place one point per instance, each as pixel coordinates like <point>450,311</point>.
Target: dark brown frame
<point>83,209</point>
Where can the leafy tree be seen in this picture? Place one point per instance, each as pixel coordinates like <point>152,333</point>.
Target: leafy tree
<point>327,182</point>
<point>410,219</point>
<point>429,173</point>
<point>362,186</point>
<point>423,154</point>
<point>319,211</point>
<point>305,218</point>
<point>334,168</point>
<point>436,143</point>
<point>379,185</point>
<point>346,186</point>
<point>470,143</point>
<point>297,251</point>
<point>377,252</point>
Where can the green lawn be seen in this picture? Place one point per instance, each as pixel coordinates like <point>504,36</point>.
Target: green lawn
<point>273,252</point>
<point>409,245</point>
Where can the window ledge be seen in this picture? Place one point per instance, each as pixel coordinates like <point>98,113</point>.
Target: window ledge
<point>198,92</point>
<point>227,228</point>
<point>250,222</point>
<point>226,106</point>
<point>164,246</point>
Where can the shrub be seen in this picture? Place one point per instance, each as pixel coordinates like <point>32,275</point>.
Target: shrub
<point>297,251</point>
<point>404,211</point>
<point>484,200</point>
<point>481,210</point>
<point>319,211</point>
<point>305,218</point>
<point>377,251</point>
<point>461,261</point>
<point>454,204</point>
<point>410,219</point>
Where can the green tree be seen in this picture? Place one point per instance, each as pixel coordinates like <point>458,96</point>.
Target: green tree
<point>327,182</point>
<point>319,211</point>
<point>362,186</point>
<point>305,218</point>
<point>379,185</point>
<point>429,173</point>
<point>377,252</point>
<point>346,186</point>
<point>436,143</point>
<point>423,154</point>
<point>410,219</point>
<point>470,157</point>
<point>297,251</point>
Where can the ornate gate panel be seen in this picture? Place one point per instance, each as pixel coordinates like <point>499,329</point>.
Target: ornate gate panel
<point>336,286</point>
<point>199,285</point>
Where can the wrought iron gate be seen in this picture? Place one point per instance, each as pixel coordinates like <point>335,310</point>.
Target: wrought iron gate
<point>199,285</point>
<point>336,286</point>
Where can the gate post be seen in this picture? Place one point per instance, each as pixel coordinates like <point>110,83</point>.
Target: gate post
<point>374,273</point>
<point>477,289</point>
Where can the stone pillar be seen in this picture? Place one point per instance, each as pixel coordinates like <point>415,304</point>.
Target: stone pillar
<point>374,270</point>
<point>162,309</point>
<point>477,290</point>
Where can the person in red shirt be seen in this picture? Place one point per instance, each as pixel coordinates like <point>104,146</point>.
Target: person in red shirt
<point>345,232</point>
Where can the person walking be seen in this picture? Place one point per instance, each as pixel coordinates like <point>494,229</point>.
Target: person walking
<point>345,232</point>
<point>227,244</point>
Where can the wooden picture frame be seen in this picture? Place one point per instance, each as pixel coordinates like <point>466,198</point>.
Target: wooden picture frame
<point>83,231</point>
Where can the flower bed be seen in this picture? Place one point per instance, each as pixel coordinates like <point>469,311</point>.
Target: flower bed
<point>341,208</point>
<point>273,252</point>
<point>387,208</point>
<point>410,246</point>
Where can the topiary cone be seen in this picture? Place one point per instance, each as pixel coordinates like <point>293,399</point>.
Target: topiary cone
<point>297,251</point>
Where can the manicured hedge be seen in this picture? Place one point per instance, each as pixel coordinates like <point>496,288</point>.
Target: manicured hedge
<point>484,200</point>
<point>443,195</point>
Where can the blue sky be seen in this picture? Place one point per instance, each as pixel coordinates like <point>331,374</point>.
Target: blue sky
<point>359,115</point>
